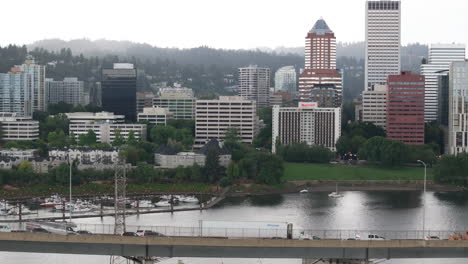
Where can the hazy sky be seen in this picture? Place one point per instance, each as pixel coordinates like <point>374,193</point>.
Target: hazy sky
<point>220,23</point>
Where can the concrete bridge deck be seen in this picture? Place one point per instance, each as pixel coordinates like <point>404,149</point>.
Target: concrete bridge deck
<point>231,248</point>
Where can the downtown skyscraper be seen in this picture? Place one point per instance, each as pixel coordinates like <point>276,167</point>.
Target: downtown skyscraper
<point>383,38</point>
<point>320,81</point>
<point>438,64</point>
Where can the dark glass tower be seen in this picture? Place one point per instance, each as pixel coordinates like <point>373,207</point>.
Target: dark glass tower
<point>119,90</point>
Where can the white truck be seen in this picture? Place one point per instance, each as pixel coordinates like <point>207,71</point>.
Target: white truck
<point>244,229</point>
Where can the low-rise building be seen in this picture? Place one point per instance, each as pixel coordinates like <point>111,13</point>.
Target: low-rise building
<point>21,154</point>
<point>7,163</point>
<point>306,124</point>
<point>180,101</point>
<point>86,156</point>
<point>168,158</point>
<point>155,115</point>
<point>144,99</point>
<point>16,127</point>
<point>44,165</point>
<point>105,132</point>
<point>100,117</point>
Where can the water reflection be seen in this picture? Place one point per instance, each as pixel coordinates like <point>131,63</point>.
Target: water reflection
<point>454,198</point>
<point>267,200</point>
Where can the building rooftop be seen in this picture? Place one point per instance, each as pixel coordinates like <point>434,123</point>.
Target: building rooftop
<point>321,28</point>
<point>213,144</point>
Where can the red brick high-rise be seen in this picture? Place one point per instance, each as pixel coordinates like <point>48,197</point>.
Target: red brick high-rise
<point>320,82</point>
<point>405,108</point>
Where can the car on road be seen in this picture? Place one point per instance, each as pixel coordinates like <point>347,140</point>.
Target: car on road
<point>144,233</point>
<point>83,232</point>
<point>40,230</point>
<point>133,234</point>
<point>432,238</point>
<point>5,228</point>
<point>374,237</point>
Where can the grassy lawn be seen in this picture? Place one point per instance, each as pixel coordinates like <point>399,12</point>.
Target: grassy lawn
<point>310,171</point>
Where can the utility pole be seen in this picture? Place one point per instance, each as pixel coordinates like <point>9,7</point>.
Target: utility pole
<point>120,180</point>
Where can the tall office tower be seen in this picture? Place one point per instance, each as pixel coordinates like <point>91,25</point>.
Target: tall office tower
<point>119,90</point>
<point>285,80</point>
<point>179,100</point>
<point>14,93</point>
<point>215,117</point>
<point>254,84</point>
<point>374,106</point>
<point>320,81</point>
<point>405,108</point>
<point>69,91</point>
<point>458,108</point>
<point>440,57</point>
<point>36,84</point>
<point>383,37</point>
<point>306,124</point>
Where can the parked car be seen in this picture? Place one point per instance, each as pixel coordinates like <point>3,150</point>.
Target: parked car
<point>133,234</point>
<point>83,232</point>
<point>5,228</point>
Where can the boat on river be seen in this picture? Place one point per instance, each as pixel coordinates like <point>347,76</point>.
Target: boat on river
<point>335,194</point>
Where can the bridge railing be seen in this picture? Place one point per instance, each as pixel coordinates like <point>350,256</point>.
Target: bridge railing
<point>234,232</point>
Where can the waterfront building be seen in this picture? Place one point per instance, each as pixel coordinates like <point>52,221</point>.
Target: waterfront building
<point>178,100</point>
<point>14,93</point>
<point>254,84</point>
<point>86,156</point>
<point>214,117</point>
<point>458,108</point>
<point>438,63</point>
<point>155,115</point>
<point>374,106</point>
<point>15,127</point>
<point>99,117</point>
<point>20,154</point>
<point>405,108</point>
<point>383,38</point>
<point>306,123</point>
<point>320,82</point>
<point>285,80</point>
<point>119,90</point>
<point>69,91</point>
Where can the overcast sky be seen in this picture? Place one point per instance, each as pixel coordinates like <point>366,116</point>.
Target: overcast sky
<point>220,23</point>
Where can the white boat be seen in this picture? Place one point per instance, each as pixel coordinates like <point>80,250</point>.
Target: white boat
<point>304,191</point>
<point>24,211</point>
<point>142,204</point>
<point>61,228</point>
<point>188,199</point>
<point>4,212</point>
<point>162,203</point>
<point>335,194</point>
<point>52,201</point>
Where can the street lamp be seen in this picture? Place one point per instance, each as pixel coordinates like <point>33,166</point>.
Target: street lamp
<point>424,197</point>
<point>70,201</point>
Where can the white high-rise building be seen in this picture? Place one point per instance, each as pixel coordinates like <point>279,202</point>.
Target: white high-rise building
<point>70,91</point>
<point>285,80</point>
<point>36,84</point>
<point>458,108</point>
<point>306,124</point>
<point>383,38</point>
<point>254,84</point>
<point>14,93</point>
<point>440,57</point>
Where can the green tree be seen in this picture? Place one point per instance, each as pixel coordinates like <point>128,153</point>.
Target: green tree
<point>213,170</point>
<point>119,140</point>
<point>196,174</point>
<point>72,139</point>
<point>452,169</point>
<point>131,138</point>
<point>87,139</point>
<point>161,134</point>
<point>343,145</point>
<point>57,139</point>
<point>53,123</point>
<point>233,171</point>
<point>356,143</point>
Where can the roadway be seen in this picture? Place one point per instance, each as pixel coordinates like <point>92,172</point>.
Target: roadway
<point>231,248</point>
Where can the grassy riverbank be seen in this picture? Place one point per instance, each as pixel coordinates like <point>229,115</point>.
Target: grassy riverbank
<point>311,171</point>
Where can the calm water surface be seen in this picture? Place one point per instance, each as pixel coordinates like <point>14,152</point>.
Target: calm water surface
<point>356,210</point>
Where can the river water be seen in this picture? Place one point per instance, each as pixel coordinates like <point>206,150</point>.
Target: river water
<point>377,210</point>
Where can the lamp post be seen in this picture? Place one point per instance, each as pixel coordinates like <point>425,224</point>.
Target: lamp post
<point>70,201</point>
<point>424,198</point>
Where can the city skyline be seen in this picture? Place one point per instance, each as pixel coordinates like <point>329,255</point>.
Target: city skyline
<point>219,26</point>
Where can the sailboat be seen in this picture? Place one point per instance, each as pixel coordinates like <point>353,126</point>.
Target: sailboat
<point>335,194</point>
